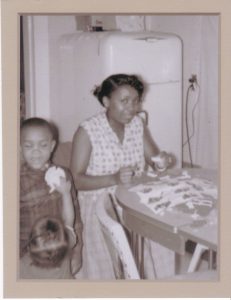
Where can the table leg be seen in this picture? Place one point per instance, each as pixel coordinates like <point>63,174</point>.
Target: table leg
<point>141,257</point>
<point>136,248</point>
<point>210,259</point>
<point>178,261</point>
<point>132,242</point>
<point>196,257</point>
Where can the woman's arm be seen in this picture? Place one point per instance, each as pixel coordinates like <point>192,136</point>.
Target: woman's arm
<point>81,152</point>
<point>159,160</point>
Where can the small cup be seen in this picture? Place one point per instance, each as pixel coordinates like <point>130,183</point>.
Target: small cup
<point>161,161</point>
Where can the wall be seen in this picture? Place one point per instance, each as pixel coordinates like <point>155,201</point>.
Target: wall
<point>200,56</point>
<point>41,34</point>
<point>200,41</point>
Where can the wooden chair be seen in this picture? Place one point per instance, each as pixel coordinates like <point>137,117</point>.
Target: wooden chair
<point>62,154</point>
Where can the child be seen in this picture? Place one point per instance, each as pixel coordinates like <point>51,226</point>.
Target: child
<point>48,249</point>
<point>37,198</point>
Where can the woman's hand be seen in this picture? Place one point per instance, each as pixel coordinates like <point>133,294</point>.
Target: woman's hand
<point>163,161</point>
<point>125,175</point>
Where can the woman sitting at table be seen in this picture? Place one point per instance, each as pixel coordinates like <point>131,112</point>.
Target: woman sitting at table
<point>108,149</point>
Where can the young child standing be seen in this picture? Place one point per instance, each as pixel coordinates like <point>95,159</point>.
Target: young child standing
<point>44,189</point>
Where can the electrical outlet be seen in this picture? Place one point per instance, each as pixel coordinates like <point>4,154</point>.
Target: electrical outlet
<point>193,78</point>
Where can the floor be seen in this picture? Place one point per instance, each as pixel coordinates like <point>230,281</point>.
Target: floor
<point>203,263</point>
<point>185,261</point>
<point>202,272</point>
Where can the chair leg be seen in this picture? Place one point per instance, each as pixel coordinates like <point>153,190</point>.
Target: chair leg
<point>196,257</point>
<point>177,262</point>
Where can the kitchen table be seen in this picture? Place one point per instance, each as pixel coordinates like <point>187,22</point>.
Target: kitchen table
<point>171,209</point>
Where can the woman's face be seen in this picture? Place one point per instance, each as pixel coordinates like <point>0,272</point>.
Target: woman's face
<point>123,104</point>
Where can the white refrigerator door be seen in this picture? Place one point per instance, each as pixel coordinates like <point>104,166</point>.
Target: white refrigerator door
<point>157,58</point>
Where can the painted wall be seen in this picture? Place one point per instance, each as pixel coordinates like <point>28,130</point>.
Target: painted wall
<point>200,56</point>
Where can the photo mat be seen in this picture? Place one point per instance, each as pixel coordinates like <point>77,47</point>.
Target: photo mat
<point>11,11</point>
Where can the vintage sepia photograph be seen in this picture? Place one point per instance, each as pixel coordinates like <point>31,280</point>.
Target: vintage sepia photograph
<point>131,169</point>
<point>114,163</point>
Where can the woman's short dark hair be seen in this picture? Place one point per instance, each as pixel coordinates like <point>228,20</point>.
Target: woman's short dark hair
<point>111,83</point>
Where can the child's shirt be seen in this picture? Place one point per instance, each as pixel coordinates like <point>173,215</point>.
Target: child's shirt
<point>36,201</point>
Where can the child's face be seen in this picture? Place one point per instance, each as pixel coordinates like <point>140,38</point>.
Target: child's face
<point>36,146</point>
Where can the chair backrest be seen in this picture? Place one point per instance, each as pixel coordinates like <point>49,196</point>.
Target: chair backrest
<point>117,243</point>
<point>62,154</point>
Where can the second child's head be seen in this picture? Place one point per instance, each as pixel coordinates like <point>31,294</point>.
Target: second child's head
<point>37,142</point>
<point>48,244</point>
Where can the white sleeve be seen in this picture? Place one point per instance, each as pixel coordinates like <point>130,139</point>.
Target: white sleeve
<point>71,235</point>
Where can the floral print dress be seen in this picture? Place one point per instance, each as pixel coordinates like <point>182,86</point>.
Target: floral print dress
<point>107,157</point>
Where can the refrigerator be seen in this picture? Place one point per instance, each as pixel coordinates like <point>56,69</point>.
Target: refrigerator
<point>87,58</point>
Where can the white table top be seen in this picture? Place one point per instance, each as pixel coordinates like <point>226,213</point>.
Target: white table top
<point>203,230</point>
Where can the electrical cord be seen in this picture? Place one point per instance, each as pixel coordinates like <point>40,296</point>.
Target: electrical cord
<point>193,110</point>
<point>189,137</point>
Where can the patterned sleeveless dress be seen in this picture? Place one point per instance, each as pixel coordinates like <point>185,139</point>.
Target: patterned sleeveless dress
<point>107,157</point>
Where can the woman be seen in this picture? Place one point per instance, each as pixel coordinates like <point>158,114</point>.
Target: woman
<point>108,149</point>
